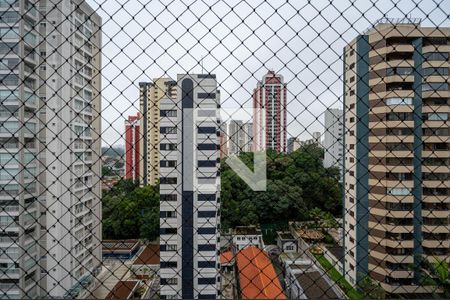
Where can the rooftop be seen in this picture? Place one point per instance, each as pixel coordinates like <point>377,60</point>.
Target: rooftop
<point>257,276</point>
<point>245,230</point>
<point>286,235</point>
<point>149,256</point>
<point>122,290</point>
<point>226,257</point>
<point>111,245</point>
<point>314,286</point>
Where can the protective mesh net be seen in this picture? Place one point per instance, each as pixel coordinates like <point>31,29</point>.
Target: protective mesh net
<point>224,149</point>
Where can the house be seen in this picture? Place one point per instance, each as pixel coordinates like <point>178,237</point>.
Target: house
<point>244,236</point>
<point>123,249</point>
<point>147,262</point>
<point>257,276</point>
<point>287,242</point>
<point>304,280</point>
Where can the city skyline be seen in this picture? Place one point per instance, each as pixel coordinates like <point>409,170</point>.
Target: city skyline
<point>314,87</point>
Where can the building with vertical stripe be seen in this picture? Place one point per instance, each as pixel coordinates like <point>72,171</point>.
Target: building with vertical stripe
<point>269,113</point>
<point>397,170</point>
<point>132,150</point>
<point>189,189</point>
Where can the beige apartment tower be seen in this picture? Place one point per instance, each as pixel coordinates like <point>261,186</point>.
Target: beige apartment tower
<point>150,96</point>
<point>397,169</point>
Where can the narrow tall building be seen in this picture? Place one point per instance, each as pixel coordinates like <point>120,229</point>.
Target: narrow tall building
<point>269,113</point>
<point>50,148</point>
<point>133,136</point>
<point>189,188</point>
<point>397,169</point>
<point>240,137</point>
<point>333,142</point>
<point>151,94</point>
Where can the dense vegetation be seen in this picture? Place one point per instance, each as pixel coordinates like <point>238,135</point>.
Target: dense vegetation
<point>297,183</point>
<point>130,211</point>
<point>298,188</point>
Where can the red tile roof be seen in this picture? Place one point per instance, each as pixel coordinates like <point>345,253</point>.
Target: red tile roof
<point>226,257</point>
<point>150,256</point>
<point>122,290</point>
<point>257,276</point>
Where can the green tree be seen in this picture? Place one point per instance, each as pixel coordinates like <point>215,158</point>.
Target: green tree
<point>370,289</point>
<point>130,211</point>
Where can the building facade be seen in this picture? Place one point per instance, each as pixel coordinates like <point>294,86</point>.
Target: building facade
<point>333,142</point>
<point>293,144</point>
<point>189,189</point>
<point>240,137</point>
<point>50,148</point>
<point>269,113</point>
<point>150,95</point>
<point>133,137</point>
<point>397,170</point>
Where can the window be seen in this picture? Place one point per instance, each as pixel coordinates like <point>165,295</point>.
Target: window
<point>168,264</point>
<point>435,56</point>
<point>207,280</point>
<point>207,146</point>
<point>399,191</point>
<point>399,116</point>
<point>435,86</point>
<point>167,214</point>
<point>168,231</point>
<point>437,116</point>
<point>207,130</point>
<point>206,230</point>
<point>398,101</point>
<point>168,130</point>
<point>207,247</point>
<point>206,163</point>
<point>439,71</point>
<point>168,180</point>
<point>206,214</point>
<point>399,71</point>
<point>168,147</point>
<point>206,197</point>
<point>169,197</point>
<point>206,95</point>
<point>168,113</point>
<point>206,264</point>
<point>169,281</point>
<point>168,163</point>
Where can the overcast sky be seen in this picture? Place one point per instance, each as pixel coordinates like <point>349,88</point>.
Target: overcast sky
<point>239,41</point>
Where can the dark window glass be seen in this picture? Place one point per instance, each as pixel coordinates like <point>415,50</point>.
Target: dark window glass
<point>208,280</point>
<point>207,147</point>
<point>206,95</point>
<point>207,163</point>
<point>168,180</point>
<point>206,197</point>
<point>206,264</point>
<point>168,147</point>
<point>206,214</point>
<point>168,113</point>
<point>207,130</point>
<point>168,197</point>
<point>435,56</point>
<point>207,247</point>
<point>168,130</point>
<point>168,231</point>
<point>206,230</point>
<point>168,163</point>
<point>168,264</point>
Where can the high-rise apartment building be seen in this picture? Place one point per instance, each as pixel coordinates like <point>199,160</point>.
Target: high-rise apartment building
<point>293,143</point>
<point>133,138</point>
<point>333,142</point>
<point>269,113</point>
<point>150,95</point>
<point>397,169</point>
<point>50,145</point>
<point>223,138</point>
<point>240,136</point>
<point>189,188</point>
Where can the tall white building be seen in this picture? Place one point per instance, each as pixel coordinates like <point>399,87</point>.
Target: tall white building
<point>333,142</point>
<point>49,155</point>
<point>240,137</point>
<point>189,188</point>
